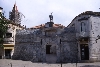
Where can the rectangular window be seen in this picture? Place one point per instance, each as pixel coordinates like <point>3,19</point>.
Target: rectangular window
<point>8,35</point>
<point>83,28</point>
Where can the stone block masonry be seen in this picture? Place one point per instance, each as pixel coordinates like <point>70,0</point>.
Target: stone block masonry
<point>26,48</point>
<point>31,45</point>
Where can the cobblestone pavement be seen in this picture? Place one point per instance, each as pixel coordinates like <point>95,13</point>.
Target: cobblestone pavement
<point>19,63</point>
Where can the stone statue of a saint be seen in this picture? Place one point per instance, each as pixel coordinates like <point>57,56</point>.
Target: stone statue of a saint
<point>51,17</point>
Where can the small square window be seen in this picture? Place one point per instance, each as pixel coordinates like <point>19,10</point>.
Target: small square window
<point>8,35</point>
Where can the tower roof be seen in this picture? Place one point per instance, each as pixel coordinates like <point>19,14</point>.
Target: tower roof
<point>15,7</point>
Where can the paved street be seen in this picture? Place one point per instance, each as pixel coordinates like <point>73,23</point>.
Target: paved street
<point>19,63</point>
<point>51,58</point>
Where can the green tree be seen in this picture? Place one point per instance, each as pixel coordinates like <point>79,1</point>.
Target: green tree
<point>3,28</point>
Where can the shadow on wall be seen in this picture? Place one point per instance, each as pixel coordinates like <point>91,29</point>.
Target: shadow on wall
<point>90,66</point>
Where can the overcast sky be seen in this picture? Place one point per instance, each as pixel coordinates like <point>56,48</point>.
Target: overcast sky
<point>37,12</point>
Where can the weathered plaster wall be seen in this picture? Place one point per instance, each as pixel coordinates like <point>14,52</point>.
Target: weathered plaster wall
<point>95,38</point>
<point>91,31</point>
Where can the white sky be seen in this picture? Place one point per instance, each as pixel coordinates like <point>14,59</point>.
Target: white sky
<point>37,11</point>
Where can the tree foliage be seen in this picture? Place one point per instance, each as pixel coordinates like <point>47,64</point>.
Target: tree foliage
<point>3,27</point>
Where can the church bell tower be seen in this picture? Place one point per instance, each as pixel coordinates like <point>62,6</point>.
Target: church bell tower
<point>14,15</point>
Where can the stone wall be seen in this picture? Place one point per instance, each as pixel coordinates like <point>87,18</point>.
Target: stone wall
<point>26,46</point>
<point>68,46</point>
<point>31,45</point>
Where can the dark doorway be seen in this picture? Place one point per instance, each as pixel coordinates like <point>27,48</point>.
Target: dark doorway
<point>84,52</point>
<point>8,53</point>
<point>48,49</point>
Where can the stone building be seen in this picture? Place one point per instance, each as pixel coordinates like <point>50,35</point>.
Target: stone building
<point>78,42</point>
<point>9,37</point>
<point>87,26</point>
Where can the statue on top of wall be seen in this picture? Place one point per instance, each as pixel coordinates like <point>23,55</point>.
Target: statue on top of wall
<point>51,17</point>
